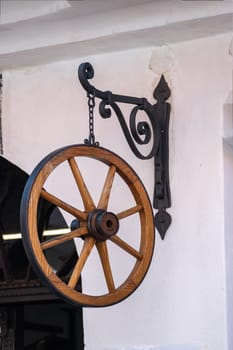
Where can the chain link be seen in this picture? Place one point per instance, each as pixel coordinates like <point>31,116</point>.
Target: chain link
<point>91,106</point>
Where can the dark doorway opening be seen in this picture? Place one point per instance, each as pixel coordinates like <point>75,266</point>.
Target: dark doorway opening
<point>41,326</point>
<point>32,317</point>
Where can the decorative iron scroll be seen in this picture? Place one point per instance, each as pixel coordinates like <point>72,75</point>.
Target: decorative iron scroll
<point>155,132</point>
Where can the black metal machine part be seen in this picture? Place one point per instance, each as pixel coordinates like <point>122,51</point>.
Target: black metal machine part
<point>155,132</point>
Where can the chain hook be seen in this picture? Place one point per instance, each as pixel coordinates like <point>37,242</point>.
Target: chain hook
<point>91,106</point>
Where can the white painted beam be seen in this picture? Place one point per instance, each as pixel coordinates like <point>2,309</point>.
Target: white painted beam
<point>95,19</point>
<point>156,36</point>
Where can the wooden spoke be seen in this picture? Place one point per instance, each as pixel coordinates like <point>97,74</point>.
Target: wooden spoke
<point>104,198</point>
<point>67,207</point>
<point>104,257</point>
<point>125,246</point>
<point>64,238</point>
<point>87,248</point>
<point>86,197</point>
<point>128,212</point>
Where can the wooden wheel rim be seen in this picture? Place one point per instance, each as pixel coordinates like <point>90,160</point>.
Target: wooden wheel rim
<point>30,235</point>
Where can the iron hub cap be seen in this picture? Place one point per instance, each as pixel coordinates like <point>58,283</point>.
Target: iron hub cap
<point>102,224</point>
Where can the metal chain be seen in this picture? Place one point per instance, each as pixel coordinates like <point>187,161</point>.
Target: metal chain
<point>91,106</point>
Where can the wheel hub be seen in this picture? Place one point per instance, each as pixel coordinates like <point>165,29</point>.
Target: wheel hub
<point>102,224</point>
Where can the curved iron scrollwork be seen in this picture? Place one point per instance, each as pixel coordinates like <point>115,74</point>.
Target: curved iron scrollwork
<point>137,133</point>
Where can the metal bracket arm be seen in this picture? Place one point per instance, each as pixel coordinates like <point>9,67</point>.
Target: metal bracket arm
<point>155,131</point>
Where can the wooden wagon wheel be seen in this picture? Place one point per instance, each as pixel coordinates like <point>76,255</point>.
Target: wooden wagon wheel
<point>97,226</point>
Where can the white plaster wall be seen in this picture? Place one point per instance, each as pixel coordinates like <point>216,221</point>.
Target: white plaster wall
<point>228,205</point>
<point>228,167</point>
<point>182,301</point>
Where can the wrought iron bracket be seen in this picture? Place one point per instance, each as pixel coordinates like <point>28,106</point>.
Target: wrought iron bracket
<point>154,132</point>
